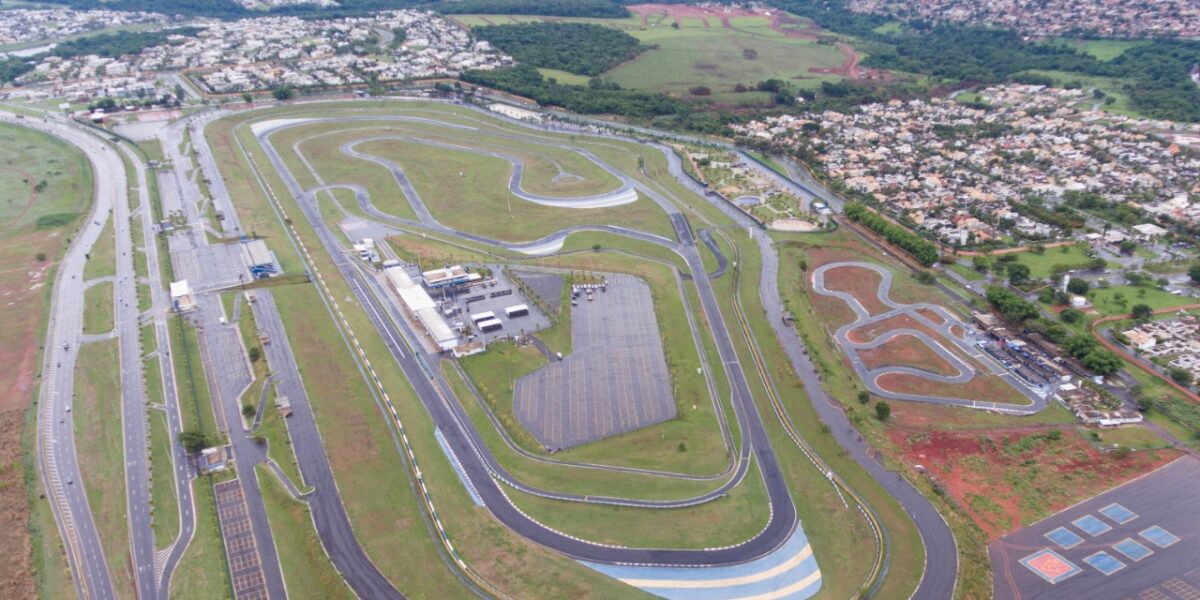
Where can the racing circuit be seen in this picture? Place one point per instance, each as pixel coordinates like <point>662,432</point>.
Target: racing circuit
<point>482,469</point>
<point>949,328</point>
<point>777,561</point>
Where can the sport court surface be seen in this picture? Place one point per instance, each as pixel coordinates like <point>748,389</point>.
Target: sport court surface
<point>1138,541</point>
<point>615,379</point>
<point>244,563</point>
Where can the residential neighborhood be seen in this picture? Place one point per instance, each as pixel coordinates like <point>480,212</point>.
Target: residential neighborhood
<point>30,25</point>
<point>267,52</point>
<point>1137,18</point>
<point>972,172</point>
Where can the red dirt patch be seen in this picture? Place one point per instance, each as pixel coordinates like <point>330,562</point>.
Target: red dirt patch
<point>869,332</point>
<point>861,283</point>
<point>982,387</point>
<point>931,315</point>
<point>906,351</point>
<point>1004,481</point>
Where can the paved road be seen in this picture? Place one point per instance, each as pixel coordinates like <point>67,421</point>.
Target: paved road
<point>226,367</point>
<point>59,465</point>
<point>167,559</point>
<point>328,512</point>
<point>870,377</point>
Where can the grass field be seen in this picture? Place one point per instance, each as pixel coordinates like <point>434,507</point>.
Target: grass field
<point>477,199</point>
<point>102,260</point>
<point>1041,266</point>
<point>98,308</point>
<point>307,571</point>
<point>1105,50</point>
<point>97,418</point>
<point>709,55</point>
<point>564,77</point>
<point>1112,87</point>
<point>1106,300</point>
<point>195,406</point>
<point>35,225</point>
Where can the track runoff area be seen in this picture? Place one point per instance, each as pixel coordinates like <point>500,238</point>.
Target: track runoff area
<point>561,404</point>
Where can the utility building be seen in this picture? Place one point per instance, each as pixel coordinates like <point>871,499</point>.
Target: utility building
<point>418,303</point>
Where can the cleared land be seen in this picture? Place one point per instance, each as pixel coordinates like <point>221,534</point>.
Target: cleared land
<point>718,51</point>
<point>44,187</point>
<point>1044,470</point>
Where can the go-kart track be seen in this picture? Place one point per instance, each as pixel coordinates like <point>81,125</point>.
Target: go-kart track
<point>965,372</point>
<point>776,562</point>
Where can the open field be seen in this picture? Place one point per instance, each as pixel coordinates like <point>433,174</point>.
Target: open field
<point>1107,301</point>
<point>474,198</point>
<point>102,260</point>
<point>97,417</point>
<point>717,51</point>
<point>98,308</point>
<point>1044,470</point>
<point>1041,266</point>
<point>45,185</point>
<point>1102,49</point>
<point>907,351</point>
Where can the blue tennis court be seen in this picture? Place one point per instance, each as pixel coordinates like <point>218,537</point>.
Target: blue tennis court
<point>1065,538</point>
<point>1132,549</point>
<point>1159,537</point>
<point>1091,525</point>
<point>1104,562</point>
<point>1119,514</point>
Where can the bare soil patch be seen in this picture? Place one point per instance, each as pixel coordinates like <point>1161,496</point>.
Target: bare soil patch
<point>861,283</point>
<point>1007,480</point>
<point>982,387</point>
<point>906,351</point>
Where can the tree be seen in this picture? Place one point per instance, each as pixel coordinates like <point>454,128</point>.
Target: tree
<point>1142,311</point>
<point>1018,273</point>
<point>283,93</point>
<point>193,441</point>
<point>1038,248</point>
<point>1194,273</point>
<point>248,98</point>
<point>249,411</point>
<point>925,277</point>
<point>981,263</point>
<point>1078,286</point>
<point>254,353</point>
<point>882,410</point>
<point>1180,376</point>
<point>700,90</point>
<point>41,257</point>
<point>864,397</point>
<point>1071,315</point>
<point>1102,362</point>
<point>1128,246</point>
<point>1097,264</point>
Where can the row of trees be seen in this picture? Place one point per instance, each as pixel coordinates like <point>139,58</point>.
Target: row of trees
<point>1010,304</point>
<point>925,251</point>
<point>580,48</point>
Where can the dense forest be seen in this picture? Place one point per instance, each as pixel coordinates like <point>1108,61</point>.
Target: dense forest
<point>579,48</point>
<point>598,98</point>
<point>558,8</point>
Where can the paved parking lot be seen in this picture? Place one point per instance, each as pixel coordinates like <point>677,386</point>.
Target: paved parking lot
<point>615,379</point>
<point>495,297</point>
<point>244,563</point>
<point>547,286</point>
<point>1138,541</point>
